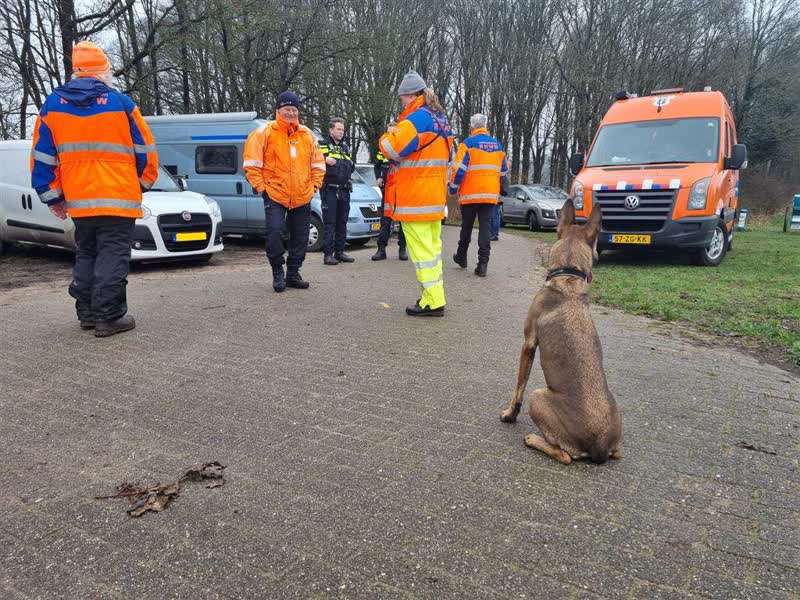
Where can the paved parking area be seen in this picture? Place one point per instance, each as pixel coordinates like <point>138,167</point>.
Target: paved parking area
<point>364,454</point>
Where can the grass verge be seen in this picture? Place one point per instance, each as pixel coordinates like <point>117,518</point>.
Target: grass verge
<point>754,295</point>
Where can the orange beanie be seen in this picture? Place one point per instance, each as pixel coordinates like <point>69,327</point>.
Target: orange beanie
<point>88,60</point>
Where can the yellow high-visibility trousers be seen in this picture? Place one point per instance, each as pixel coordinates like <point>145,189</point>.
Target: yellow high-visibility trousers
<point>424,243</point>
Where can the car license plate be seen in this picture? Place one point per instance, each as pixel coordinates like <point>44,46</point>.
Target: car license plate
<point>619,238</point>
<point>376,227</point>
<point>189,236</point>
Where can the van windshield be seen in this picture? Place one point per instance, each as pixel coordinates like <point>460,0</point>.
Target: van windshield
<point>165,182</point>
<point>692,140</point>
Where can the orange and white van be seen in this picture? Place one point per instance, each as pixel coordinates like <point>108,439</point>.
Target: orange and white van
<point>664,169</point>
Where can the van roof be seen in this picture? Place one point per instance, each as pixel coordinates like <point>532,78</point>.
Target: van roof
<point>230,117</point>
<point>673,106</point>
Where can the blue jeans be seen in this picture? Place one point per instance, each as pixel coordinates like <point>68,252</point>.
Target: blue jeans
<point>495,228</point>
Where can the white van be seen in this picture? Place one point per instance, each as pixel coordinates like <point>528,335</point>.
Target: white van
<point>176,223</point>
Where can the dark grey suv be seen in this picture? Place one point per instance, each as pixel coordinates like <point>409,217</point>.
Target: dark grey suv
<point>537,206</point>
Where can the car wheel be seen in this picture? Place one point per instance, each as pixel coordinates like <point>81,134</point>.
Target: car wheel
<point>358,242</point>
<point>315,230</point>
<point>712,255</point>
<point>533,222</point>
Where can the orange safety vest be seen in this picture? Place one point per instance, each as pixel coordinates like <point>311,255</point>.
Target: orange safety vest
<point>420,148</point>
<point>476,171</point>
<point>284,160</point>
<point>92,149</point>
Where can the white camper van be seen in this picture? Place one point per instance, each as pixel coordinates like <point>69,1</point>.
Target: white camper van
<point>176,223</point>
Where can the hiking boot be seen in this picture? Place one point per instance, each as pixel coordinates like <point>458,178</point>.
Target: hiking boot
<point>294,280</point>
<point>107,328</point>
<point>330,260</point>
<point>418,311</point>
<point>480,270</point>
<point>403,255</point>
<point>342,257</point>
<point>460,260</point>
<point>380,254</point>
<point>278,279</point>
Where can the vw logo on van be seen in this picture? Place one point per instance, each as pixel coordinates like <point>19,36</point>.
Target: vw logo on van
<point>373,207</point>
<point>632,202</point>
<point>186,215</point>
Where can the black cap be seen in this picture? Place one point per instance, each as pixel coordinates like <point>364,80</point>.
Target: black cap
<point>287,99</point>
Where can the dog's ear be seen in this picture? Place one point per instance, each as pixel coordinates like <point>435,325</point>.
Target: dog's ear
<point>592,228</point>
<point>567,217</point>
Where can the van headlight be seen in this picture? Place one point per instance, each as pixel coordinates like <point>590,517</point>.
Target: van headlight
<point>577,195</point>
<point>213,208</point>
<point>699,194</point>
<point>147,213</point>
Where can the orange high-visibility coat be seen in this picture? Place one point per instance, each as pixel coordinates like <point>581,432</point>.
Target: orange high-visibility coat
<point>475,174</point>
<point>92,148</point>
<point>284,160</point>
<point>420,148</point>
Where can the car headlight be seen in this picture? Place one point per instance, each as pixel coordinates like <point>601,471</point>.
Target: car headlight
<point>213,208</point>
<point>699,194</point>
<point>146,211</point>
<point>549,214</point>
<point>577,195</point>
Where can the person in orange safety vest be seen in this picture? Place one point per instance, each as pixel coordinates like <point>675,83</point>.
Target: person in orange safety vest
<point>475,176</point>
<point>283,162</point>
<point>420,147</point>
<point>93,156</point>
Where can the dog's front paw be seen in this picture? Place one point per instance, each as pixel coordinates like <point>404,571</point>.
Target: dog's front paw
<point>508,415</point>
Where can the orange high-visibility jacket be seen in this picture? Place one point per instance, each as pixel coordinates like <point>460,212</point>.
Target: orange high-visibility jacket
<point>420,148</point>
<point>92,148</point>
<point>480,163</point>
<point>284,160</point>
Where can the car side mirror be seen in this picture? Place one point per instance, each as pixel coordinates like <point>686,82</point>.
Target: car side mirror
<point>183,184</point>
<point>576,163</point>
<point>522,197</point>
<point>738,158</point>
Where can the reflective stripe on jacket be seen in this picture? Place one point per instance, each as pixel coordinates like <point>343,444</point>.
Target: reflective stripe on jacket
<point>480,163</point>
<point>284,160</point>
<point>420,148</point>
<point>92,148</point>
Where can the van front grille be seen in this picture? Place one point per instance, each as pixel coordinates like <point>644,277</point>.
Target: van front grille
<point>171,224</point>
<point>654,210</point>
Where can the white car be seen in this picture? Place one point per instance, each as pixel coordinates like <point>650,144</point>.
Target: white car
<point>176,223</point>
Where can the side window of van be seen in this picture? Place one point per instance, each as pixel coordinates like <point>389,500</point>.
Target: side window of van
<point>219,160</point>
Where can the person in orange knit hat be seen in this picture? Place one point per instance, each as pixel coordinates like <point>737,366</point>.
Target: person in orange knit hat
<point>93,156</point>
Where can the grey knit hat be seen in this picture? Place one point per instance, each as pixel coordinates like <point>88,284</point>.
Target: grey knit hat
<point>411,84</point>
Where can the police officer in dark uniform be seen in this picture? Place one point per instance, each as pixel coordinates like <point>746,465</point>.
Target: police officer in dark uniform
<point>335,193</point>
<point>381,167</point>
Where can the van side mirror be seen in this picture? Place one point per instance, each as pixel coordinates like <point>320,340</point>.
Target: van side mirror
<point>576,163</point>
<point>738,158</point>
<point>183,184</point>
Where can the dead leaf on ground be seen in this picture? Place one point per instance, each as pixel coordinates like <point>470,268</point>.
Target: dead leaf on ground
<point>156,498</point>
<point>211,472</point>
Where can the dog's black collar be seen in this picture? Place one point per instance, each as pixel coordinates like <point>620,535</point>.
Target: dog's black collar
<point>569,272</point>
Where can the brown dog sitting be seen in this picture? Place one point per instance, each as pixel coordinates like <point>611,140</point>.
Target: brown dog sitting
<point>576,413</point>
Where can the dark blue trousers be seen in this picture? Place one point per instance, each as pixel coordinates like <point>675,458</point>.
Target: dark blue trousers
<point>335,210</point>
<point>287,230</point>
<point>102,262</point>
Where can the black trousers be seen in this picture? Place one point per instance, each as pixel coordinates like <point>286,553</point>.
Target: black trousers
<point>287,230</point>
<point>335,211</point>
<point>386,232</point>
<point>102,262</point>
<point>484,213</point>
